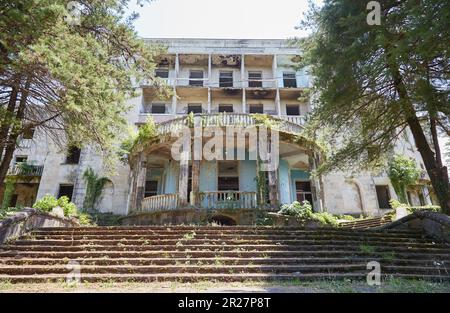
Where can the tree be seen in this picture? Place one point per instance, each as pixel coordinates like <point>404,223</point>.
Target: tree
<point>68,78</point>
<point>375,83</point>
<point>402,172</point>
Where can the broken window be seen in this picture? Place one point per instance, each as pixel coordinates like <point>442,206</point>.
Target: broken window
<point>73,155</point>
<point>21,159</point>
<point>226,79</point>
<point>292,109</point>
<point>383,196</point>
<point>255,79</point>
<point>226,108</point>
<point>158,108</point>
<point>289,80</point>
<point>303,191</point>
<point>196,78</point>
<point>194,108</point>
<point>162,72</point>
<point>66,190</point>
<point>256,108</point>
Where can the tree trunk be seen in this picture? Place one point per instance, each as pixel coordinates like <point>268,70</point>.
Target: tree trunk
<point>14,133</point>
<point>6,124</point>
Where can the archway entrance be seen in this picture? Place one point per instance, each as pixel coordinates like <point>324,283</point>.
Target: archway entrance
<point>222,220</point>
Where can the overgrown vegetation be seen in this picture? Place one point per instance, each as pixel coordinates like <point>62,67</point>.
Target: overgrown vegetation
<point>410,209</point>
<point>303,211</point>
<point>8,191</point>
<point>48,202</point>
<point>402,172</point>
<point>145,134</point>
<point>94,188</point>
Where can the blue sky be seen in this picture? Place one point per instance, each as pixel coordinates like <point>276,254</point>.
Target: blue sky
<point>219,19</point>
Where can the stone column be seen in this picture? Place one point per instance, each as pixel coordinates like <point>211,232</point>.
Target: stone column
<point>141,177</point>
<point>316,186</point>
<point>195,180</point>
<point>183,182</point>
<point>274,194</point>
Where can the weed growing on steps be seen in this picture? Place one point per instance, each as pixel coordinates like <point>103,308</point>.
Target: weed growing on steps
<point>366,248</point>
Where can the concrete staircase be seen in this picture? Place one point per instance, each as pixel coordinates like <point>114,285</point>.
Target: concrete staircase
<point>367,222</point>
<point>235,253</point>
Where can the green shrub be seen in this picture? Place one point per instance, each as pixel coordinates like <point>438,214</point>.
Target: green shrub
<point>304,211</point>
<point>85,219</point>
<point>69,208</point>
<point>46,203</point>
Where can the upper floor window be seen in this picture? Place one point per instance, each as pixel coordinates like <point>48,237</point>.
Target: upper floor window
<point>292,109</point>
<point>73,155</point>
<point>162,72</point>
<point>226,108</point>
<point>21,159</point>
<point>255,79</point>
<point>196,78</point>
<point>383,196</point>
<point>226,79</point>
<point>158,108</point>
<point>256,108</point>
<point>194,108</point>
<point>289,80</point>
<point>28,133</point>
<point>65,190</point>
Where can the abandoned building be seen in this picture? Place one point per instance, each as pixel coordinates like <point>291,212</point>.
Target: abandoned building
<point>219,82</point>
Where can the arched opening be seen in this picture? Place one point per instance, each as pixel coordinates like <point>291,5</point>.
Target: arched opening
<point>222,220</point>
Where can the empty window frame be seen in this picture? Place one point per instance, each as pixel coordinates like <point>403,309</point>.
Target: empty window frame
<point>194,108</point>
<point>289,80</point>
<point>225,108</point>
<point>256,108</point>
<point>303,191</point>
<point>226,79</point>
<point>73,155</point>
<point>383,196</point>
<point>255,79</point>
<point>21,159</point>
<point>162,72</point>
<point>196,78</point>
<point>65,190</point>
<point>228,176</point>
<point>151,188</point>
<point>158,108</point>
<point>292,109</point>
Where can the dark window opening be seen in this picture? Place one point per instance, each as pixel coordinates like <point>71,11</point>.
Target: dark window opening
<point>65,190</point>
<point>28,133</point>
<point>223,220</point>
<point>21,159</point>
<point>303,191</point>
<point>421,199</point>
<point>256,108</point>
<point>151,188</point>
<point>73,155</point>
<point>228,177</point>
<point>158,108</point>
<point>255,79</point>
<point>226,108</point>
<point>13,201</point>
<point>194,108</point>
<point>383,196</point>
<point>289,80</point>
<point>162,73</point>
<point>196,78</point>
<point>226,79</point>
<point>292,109</point>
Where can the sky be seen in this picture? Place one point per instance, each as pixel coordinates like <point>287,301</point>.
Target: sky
<point>247,19</point>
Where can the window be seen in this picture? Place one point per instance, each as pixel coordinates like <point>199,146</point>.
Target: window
<point>73,155</point>
<point>292,109</point>
<point>162,73</point>
<point>289,80</point>
<point>226,79</point>
<point>383,196</point>
<point>158,108</point>
<point>256,108</point>
<point>303,191</point>
<point>28,133</point>
<point>13,201</point>
<point>65,190</point>
<point>255,79</point>
<point>196,78</point>
<point>194,108</point>
<point>226,108</point>
<point>228,177</point>
<point>151,188</point>
<point>21,159</point>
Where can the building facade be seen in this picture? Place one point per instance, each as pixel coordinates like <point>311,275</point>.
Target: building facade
<point>216,83</point>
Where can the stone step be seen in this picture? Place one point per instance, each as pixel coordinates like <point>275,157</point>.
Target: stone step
<point>211,254</point>
<point>206,269</point>
<point>230,247</point>
<point>180,277</point>
<point>227,241</point>
<point>222,260</point>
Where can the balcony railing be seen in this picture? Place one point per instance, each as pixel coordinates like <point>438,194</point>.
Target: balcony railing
<point>227,119</point>
<point>227,200</point>
<point>25,170</point>
<point>296,119</point>
<point>160,203</point>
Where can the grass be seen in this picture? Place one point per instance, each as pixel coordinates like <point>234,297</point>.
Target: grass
<point>391,285</point>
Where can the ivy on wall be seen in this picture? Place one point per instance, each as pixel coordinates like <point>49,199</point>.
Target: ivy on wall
<point>402,172</point>
<point>10,182</point>
<point>94,188</point>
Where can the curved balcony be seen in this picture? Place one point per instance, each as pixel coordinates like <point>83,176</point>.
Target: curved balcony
<point>284,124</point>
